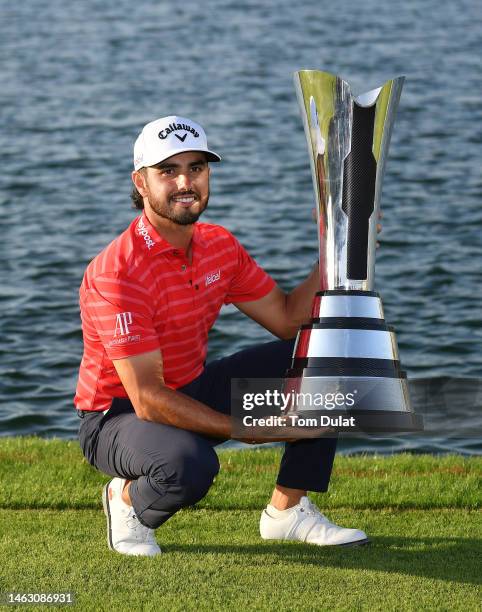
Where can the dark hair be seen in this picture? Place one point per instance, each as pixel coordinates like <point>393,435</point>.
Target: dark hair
<point>137,200</point>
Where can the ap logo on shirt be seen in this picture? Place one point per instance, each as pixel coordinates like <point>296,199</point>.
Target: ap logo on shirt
<point>122,332</point>
<point>122,322</point>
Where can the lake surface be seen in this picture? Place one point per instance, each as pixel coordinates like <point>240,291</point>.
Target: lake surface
<point>78,82</point>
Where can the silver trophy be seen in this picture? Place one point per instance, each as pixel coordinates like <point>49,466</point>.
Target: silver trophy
<point>347,349</point>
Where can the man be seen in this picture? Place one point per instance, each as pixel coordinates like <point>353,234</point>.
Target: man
<point>152,410</point>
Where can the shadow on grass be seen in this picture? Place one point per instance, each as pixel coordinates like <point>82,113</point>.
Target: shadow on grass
<point>451,559</point>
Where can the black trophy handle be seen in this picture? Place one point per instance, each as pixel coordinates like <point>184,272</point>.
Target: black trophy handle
<point>359,176</point>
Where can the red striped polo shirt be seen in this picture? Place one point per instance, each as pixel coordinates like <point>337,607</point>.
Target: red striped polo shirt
<point>140,294</point>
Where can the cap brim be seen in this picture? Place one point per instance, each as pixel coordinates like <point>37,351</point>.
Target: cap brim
<point>214,157</point>
<point>210,155</point>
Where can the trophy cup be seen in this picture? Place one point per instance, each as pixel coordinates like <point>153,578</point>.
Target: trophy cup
<point>347,348</point>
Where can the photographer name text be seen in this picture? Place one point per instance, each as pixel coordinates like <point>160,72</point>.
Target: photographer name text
<point>297,421</point>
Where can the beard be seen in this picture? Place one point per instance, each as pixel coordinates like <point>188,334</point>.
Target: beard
<point>180,216</point>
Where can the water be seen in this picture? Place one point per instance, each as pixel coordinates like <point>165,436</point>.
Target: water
<point>79,80</point>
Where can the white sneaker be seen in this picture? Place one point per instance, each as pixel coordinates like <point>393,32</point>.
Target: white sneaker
<point>304,522</point>
<point>125,533</point>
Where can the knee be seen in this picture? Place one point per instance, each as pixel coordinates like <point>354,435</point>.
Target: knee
<point>197,481</point>
<point>189,475</point>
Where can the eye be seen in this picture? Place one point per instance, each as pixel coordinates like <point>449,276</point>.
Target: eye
<point>167,171</point>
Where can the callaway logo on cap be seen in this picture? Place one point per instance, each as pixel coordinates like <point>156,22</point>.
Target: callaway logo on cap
<point>169,136</point>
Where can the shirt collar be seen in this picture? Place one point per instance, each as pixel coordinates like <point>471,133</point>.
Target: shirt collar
<point>153,243</point>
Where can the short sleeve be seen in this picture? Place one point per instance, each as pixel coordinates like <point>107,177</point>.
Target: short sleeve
<point>119,313</point>
<point>249,282</point>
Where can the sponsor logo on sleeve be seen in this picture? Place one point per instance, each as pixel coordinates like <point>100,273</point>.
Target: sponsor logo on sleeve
<point>122,322</point>
<point>122,331</point>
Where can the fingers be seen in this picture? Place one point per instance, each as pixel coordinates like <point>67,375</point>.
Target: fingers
<point>379,228</point>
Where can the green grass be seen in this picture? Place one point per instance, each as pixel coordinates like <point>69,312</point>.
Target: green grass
<point>421,512</point>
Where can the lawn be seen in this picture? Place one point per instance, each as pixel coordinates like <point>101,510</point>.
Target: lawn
<point>422,513</point>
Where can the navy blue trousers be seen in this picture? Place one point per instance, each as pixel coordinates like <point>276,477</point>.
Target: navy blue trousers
<point>172,468</point>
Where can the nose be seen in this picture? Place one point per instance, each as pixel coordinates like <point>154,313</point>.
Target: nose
<point>183,181</point>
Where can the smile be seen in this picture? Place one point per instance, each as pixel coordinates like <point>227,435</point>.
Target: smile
<point>186,200</point>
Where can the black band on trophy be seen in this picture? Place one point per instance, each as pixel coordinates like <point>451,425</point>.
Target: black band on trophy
<point>344,371</point>
<point>345,366</point>
<point>346,362</point>
<point>381,421</point>
<point>347,323</point>
<point>349,292</point>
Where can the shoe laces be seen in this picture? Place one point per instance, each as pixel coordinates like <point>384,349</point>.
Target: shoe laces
<point>313,510</point>
<point>138,530</point>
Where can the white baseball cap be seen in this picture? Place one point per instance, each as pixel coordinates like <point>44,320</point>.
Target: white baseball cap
<point>169,136</point>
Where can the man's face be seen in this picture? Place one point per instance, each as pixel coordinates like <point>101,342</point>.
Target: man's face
<point>178,188</point>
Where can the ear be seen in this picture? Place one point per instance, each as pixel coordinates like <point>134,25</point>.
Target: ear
<point>139,180</point>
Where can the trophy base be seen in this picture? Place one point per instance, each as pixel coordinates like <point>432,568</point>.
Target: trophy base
<point>347,359</point>
<point>365,393</point>
<point>381,422</point>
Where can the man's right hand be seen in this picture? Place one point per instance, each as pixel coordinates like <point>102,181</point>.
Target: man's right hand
<point>287,433</point>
